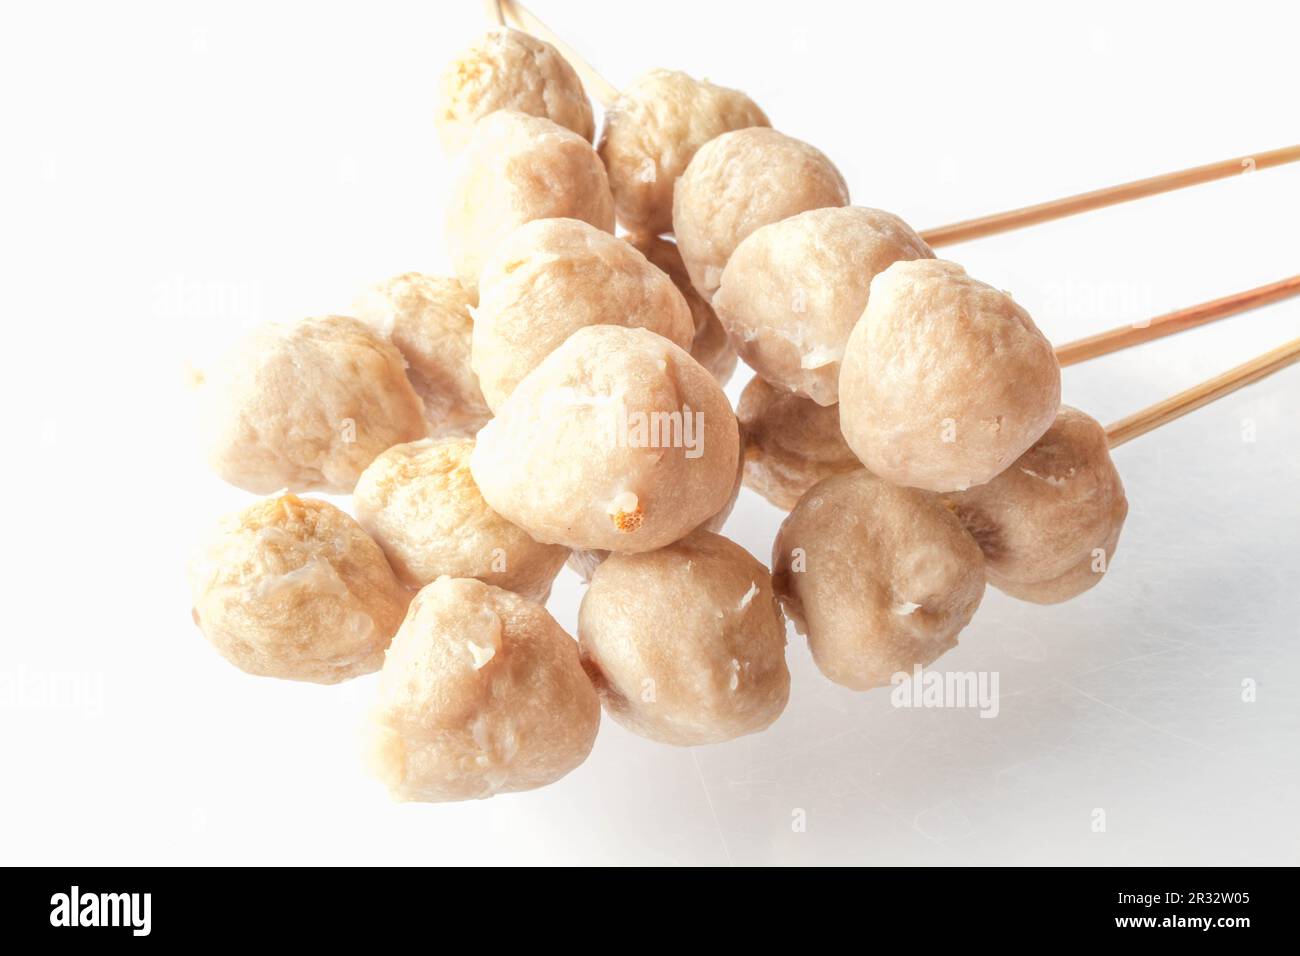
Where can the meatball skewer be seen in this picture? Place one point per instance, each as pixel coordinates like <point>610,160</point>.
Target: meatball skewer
<point>881,579</point>
<point>1048,525</point>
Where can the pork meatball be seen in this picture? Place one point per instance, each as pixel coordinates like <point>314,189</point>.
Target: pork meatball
<point>481,693</point>
<point>946,381</point>
<point>517,168</point>
<point>742,181</point>
<point>509,70</point>
<point>880,578</point>
<point>428,319</point>
<point>293,588</point>
<point>790,443</point>
<point>308,406</point>
<point>584,561</point>
<point>651,133</point>
<point>550,278</point>
<point>686,644</point>
<point>1049,524</point>
<point>618,440</point>
<point>793,291</point>
<point>420,503</point>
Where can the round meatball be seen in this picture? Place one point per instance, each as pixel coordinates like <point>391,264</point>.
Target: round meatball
<point>790,443</point>
<point>617,440</point>
<point>481,693</point>
<point>293,588</point>
<point>710,346</point>
<point>307,406</point>
<point>880,578</point>
<point>651,133</point>
<point>515,169</point>
<point>584,561</point>
<point>509,70</point>
<point>419,501</point>
<point>742,181</point>
<point>550,278</point>
<point>946,381</point>
<point>1049,524</point>
<point>428,319</point>
<point>793,290</point>
<point>686,645</point>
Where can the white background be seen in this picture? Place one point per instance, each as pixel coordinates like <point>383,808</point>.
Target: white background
<point>173,174</point>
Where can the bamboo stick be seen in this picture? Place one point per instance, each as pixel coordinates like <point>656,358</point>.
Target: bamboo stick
<point>1126,336</point>
<point>1193,398</point>
<point>1110,196</point>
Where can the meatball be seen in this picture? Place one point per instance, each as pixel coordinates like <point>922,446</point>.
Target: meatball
<point>1049,524</point>
<point>880,578</point>
<point>617,440</point>
<point>420,503</point>
<point>293,588</point>
<point>584,561</point>
<point>710,346</point>
<point>946,381</point>
<point>481,693</point>
<point>742,181</point>
<point>651,133</point>
<point>517,168</point>
<point>790,443</point>
<point>550,278</point>
<point>428,319</point>
<point>686,645</point>
<point>793,290</point>
<point>307,406</point>
<point>509,70</point>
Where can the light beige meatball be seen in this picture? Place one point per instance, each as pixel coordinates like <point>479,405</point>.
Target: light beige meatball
<point>307,406</point>
<point>551,277</point>
<point>880,578</point>
<point>1049,524</point>
<point>946,381</point>
<point>617,440</point>
<point>481,693</point>
<point>419,501</point>
<point>509,70</point>
<point>790,443</point>
<point>651,133</point>
<point>584,561</point>
<point>793,290</point>
<point>742,181</point>
<point>710,346</point>
<point>686,645</point>
<point>293,588</point>
<point>515,169</point>
<point>428,319</point>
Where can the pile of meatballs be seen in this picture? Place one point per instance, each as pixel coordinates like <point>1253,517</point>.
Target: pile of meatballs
<point>560,400</point>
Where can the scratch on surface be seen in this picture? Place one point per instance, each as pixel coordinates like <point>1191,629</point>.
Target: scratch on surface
<point>1133,717</point>
<point>1127,660</point>
<point>722,837</point>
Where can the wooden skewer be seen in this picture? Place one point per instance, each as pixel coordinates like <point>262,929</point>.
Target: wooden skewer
<point>604,91</point>
<point>1179,405</point>
<point>1126,336</point>
<point>1110,196</point>
<point>494,12</point>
